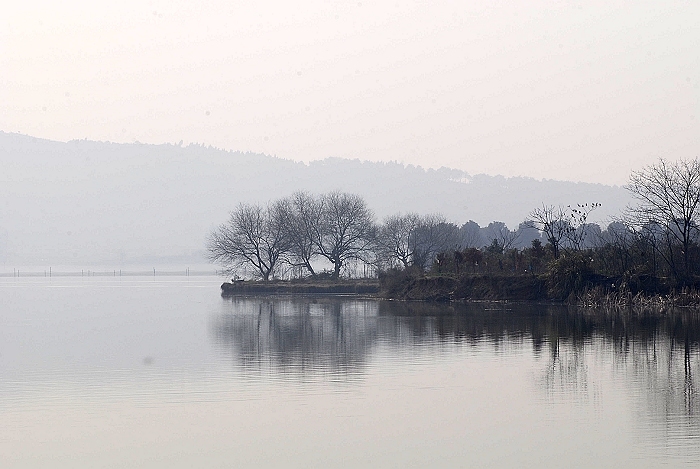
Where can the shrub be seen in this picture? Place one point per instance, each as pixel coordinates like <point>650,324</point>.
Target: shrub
<point>569,275</point>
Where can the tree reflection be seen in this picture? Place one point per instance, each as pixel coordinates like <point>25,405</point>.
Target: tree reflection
<point>302,336</point>
<point>312,337</point>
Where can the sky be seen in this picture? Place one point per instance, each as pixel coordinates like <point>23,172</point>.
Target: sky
<point>571,90</point>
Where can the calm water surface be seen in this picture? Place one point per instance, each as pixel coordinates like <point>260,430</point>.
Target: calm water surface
<point>143,372</point>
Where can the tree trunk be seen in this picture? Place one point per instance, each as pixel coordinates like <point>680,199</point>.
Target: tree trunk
<point>310,269</point>
<point>336,270</point>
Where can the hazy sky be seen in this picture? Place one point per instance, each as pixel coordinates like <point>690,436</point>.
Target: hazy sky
<point>556,89</point>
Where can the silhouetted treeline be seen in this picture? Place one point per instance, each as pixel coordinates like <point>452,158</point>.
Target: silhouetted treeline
<point>653,246</point>
<point>337,232</point>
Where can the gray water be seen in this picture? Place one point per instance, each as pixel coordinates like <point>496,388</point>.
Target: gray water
<point>163,372</point>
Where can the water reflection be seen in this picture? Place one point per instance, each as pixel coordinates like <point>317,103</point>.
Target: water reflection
<point>655,355</point>
<point>89,369</point>
<point>327,336</point>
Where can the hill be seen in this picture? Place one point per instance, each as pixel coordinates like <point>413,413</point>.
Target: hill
<point>87,202</point>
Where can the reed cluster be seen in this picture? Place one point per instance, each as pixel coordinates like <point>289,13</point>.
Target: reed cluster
<point>687,297</point>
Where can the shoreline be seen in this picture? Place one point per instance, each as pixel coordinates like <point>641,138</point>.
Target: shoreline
<point>287,287</point>
<point>470,289</point>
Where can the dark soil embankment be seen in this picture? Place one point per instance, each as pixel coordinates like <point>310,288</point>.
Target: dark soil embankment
<point>414,285</point>
<point>587,289</point>
<point>359,287</point>
<point>481,287</point>
<point>521,288</point>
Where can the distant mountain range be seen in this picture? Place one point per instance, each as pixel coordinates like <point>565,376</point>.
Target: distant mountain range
<point>86,202</point>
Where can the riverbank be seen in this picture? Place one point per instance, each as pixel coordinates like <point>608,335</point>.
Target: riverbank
<point>409,286</point>
<point>301,287</point>
<point>403,287</point>
<point>588,291</point>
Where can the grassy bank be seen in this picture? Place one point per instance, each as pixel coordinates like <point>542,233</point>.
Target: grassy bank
<point>414,285</point>
<point>585,289</point>
<point>301,287</point>
<point>406,285</point>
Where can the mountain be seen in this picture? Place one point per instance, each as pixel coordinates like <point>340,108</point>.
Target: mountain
<point>87,202</point>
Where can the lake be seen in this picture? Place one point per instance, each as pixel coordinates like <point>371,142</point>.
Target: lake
<point>164,372</point>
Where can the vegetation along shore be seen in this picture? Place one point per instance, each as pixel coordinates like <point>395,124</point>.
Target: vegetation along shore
<point>331,243</point>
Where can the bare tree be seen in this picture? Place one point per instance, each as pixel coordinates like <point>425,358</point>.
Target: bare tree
<point>433,235</point>
<point>650,235</point>
<point>553,223</point>
<point>668,194</point>
<point>394,238</point>
<point>579,228</point>
<point>616,244</point>
<point>303,214</point>
<point>254,236</point>
<point>346,230</point>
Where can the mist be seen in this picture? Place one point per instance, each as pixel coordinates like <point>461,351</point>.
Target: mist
<point>85,202</point>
